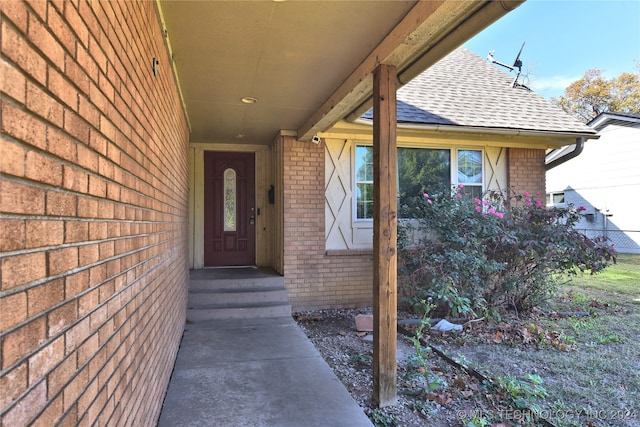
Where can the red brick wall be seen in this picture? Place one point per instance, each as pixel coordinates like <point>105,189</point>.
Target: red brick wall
<point>313,278</point>
<point>93,198</point>
<point>526,171</point>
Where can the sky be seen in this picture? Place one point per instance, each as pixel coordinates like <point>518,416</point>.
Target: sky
<point>563,39</point>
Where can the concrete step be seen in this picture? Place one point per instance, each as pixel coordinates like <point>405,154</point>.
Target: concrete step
<point>237,296</point>
<point>236,283</point>
<point>238,311</point>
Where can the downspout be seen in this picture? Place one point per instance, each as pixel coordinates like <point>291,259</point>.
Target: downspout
<point>573,154</point>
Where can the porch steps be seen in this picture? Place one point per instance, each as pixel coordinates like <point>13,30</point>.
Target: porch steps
<point>237,296</point>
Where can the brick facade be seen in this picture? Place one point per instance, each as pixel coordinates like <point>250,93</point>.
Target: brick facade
<point>315,279</point>
<point>526,172</point>
<point>94,206</point>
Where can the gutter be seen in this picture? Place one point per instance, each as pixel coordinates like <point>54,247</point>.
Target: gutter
<point>488,130</point>
<point>573,154</point>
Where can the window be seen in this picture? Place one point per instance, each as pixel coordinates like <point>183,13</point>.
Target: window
<point>423,170</point>
<point>364,182</point>
<point>229,200</point>
<point>420,170</point>
<point>470,172</point>
<point>555,198</point>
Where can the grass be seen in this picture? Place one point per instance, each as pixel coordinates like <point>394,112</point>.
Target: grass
<point>602,373</point>
<point>621,278</point>
<point>598,382</point>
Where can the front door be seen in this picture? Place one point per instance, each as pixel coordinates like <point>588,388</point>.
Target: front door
<point>229,209</point>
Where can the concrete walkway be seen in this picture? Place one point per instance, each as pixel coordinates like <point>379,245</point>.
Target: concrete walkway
<point>255,372</point>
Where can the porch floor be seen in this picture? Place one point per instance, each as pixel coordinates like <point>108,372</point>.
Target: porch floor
<point>253,372</point>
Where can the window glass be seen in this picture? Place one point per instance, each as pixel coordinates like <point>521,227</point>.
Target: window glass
<point>364,182</point>
<point>364,164</point>
<point>555,198</point>
<point>469,167</point>
<point>229,200</point>
<point>558,198</point>
<point>470,172</point>
<point>422,170</point>
<point>419,170</point>
<point>364,200</point>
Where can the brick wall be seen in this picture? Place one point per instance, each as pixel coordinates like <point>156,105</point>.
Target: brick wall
<point>93,199</point>
<point>313,278</point>
<point>317,279</point>
<point>526,171</point>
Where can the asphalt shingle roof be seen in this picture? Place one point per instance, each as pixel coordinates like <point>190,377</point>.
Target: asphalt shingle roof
<point>466,90</point>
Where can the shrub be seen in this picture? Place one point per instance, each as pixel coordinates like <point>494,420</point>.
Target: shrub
<point>501,251</point>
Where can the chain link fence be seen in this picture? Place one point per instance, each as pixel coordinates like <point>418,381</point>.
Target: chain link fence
<point>624,241</point>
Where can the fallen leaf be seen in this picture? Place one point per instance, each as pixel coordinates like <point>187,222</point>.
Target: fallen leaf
<point>526,335</point>
<point>460,383</point>
<point>497,338</point>
<point>443,399</point>
<point>430,396</point>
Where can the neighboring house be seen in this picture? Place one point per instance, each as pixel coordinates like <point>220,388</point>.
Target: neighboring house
<point>125,126</point>
<point>604,178</point>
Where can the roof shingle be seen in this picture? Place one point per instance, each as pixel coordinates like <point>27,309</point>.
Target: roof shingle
<point>465,90</point>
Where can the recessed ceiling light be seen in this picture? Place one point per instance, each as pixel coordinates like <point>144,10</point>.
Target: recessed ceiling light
<point>239,136</point>
<point>249,100</point>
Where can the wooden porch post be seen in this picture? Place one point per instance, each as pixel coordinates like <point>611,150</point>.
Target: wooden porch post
<point>385,219</point>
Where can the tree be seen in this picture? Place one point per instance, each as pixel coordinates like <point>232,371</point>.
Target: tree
<point>593,94</point>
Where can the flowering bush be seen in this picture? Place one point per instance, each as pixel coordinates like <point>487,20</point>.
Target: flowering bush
<point>501,251</point>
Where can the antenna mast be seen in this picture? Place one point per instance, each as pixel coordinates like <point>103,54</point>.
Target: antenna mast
<point>516,64</point>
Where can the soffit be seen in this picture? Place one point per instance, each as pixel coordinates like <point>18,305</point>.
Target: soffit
<point>301,60</point>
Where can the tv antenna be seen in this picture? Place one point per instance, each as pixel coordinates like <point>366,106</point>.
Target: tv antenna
<point>516,64</point>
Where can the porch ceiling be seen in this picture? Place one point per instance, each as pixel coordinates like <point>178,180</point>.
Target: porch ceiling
<point>308,63</point>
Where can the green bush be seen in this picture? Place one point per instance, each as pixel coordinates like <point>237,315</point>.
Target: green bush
<point>501,251</point>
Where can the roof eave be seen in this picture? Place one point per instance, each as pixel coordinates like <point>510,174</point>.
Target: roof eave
<point>603,119</point>
<point>434,127</point>
<point>429,32</point>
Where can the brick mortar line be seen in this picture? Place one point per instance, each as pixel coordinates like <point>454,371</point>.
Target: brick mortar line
<point>152,320</point>
<point>47,187</point>
<point>35,283</point>
<point>88,361</point>
<point>170,196</point>
<point>161,168</point>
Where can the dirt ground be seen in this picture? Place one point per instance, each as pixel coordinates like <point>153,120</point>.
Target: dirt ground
<point>546,369</point>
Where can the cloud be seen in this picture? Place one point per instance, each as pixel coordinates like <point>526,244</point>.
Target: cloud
<point>552,84</point>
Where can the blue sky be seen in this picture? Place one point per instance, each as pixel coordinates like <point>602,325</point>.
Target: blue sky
<point>564,39</point>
